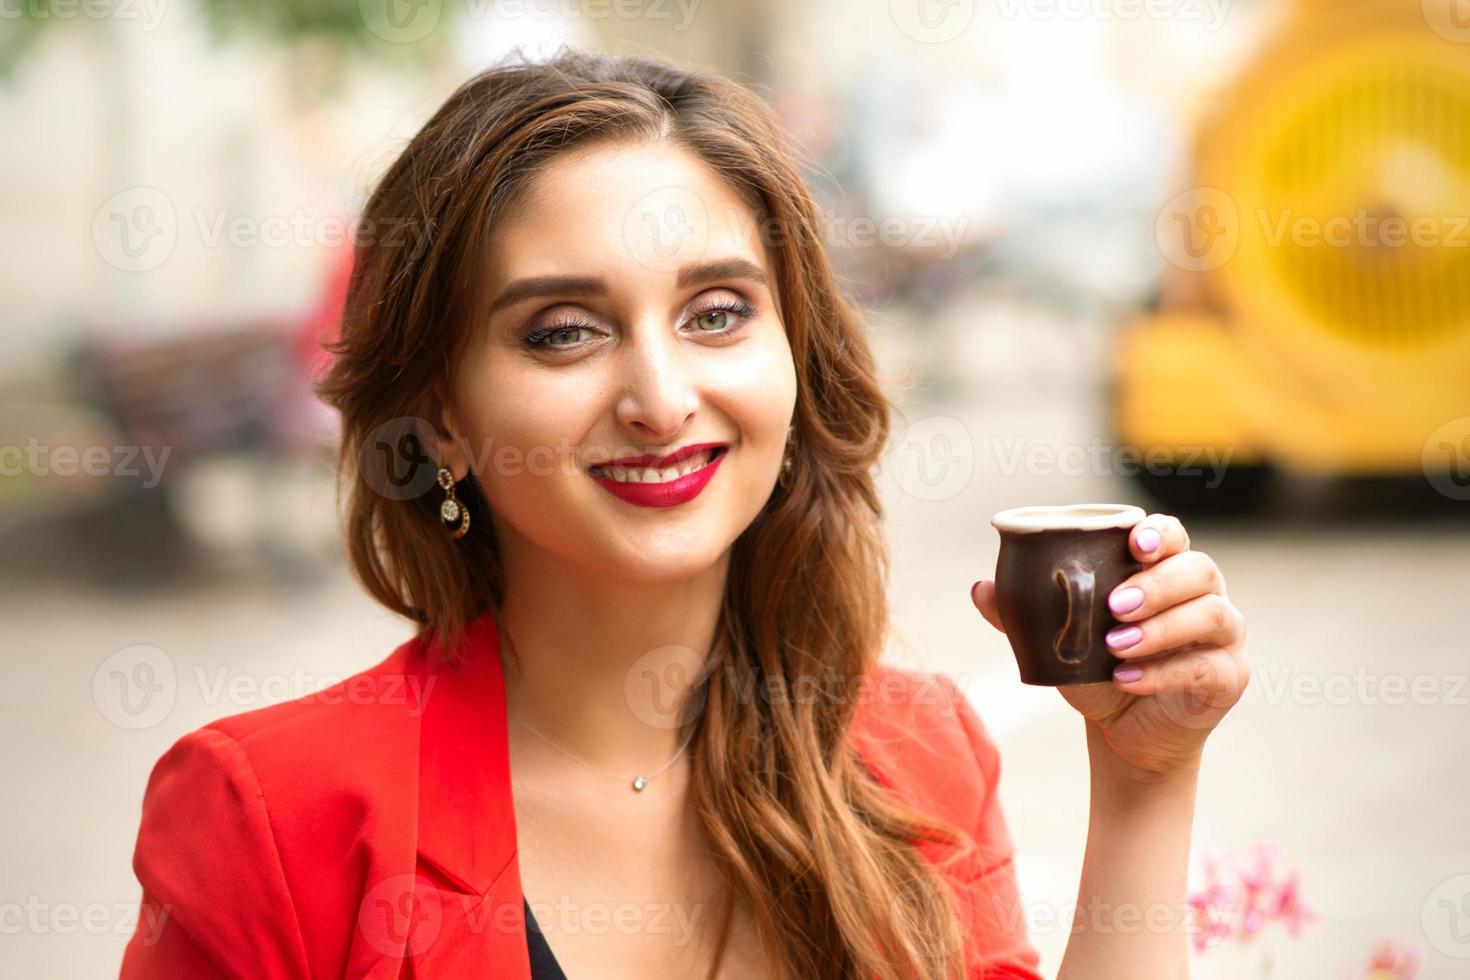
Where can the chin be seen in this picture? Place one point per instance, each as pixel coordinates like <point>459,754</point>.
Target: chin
<point>664,561</point>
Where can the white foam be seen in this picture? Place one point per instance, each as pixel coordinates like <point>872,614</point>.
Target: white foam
<point>1067,517</point>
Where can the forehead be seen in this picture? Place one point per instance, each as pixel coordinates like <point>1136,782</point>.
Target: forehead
<point>625,209</point>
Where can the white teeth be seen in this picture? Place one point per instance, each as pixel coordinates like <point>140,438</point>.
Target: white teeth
<point>624,474</point>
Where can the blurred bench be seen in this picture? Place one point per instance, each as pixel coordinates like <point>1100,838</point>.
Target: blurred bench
<point>221,391</point>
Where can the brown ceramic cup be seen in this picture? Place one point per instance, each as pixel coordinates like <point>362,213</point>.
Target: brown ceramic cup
<point>1056,568</point>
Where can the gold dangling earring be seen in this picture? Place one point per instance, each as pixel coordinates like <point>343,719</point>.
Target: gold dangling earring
<point>452,510</point>
<point>784,479</point>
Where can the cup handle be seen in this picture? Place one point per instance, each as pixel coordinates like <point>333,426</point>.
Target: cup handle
<point>1078,585</point>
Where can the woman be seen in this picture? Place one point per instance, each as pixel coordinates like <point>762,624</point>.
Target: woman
<point>642,731</point>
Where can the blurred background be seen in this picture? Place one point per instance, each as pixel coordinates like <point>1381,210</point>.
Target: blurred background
<point>1209,256</point>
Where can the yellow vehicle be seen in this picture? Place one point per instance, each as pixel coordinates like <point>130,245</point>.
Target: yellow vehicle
<point>1315,315</point>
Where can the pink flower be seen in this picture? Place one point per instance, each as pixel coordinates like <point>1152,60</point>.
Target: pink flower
<point>1211,908</point>
<point>1393,960</point>
<point>1289,908</point>
<point>1245,899</point>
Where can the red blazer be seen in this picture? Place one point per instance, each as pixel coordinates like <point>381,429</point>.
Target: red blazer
<point>367,830</point>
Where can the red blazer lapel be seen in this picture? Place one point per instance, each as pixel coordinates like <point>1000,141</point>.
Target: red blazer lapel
<point>470,918</point>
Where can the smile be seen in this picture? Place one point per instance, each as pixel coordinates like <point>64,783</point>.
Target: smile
<point>666,487</point>
<point>649,474</point>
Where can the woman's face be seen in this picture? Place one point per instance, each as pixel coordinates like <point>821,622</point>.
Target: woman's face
<point>632,311</point>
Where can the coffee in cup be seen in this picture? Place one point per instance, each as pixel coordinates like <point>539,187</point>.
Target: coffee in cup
<point>1056,568</point>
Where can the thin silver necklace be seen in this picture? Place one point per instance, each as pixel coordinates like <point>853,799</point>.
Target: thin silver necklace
<point>639,780</point>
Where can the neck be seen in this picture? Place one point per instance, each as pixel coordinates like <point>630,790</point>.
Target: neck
<point>603,667</point>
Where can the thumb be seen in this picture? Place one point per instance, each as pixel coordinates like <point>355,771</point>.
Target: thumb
<point>982,594</point>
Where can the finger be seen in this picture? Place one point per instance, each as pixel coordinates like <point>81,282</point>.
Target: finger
<point>1157,536</point>
<point>1197,684</point>
<point>1167,583</point>
<point>982,594</point>
<point>1209,619</point>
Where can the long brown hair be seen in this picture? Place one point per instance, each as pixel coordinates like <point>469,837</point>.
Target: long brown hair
<point>810,841</point>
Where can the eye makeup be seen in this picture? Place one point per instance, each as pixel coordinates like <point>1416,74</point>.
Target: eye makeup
<point>536,336</point>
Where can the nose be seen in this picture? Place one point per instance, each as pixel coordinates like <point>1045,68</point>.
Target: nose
<point>659,392</point>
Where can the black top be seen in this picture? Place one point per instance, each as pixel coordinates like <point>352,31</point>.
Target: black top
<point>543,965</point>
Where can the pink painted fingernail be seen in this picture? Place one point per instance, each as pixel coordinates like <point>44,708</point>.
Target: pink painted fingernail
<point>1148,540</point>
<point>1122,639</point>
<point>1128,674</point>
<point>1125,599</point>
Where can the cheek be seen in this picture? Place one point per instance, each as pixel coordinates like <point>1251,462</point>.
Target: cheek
<point>758,392</point>
<point>527,424</point>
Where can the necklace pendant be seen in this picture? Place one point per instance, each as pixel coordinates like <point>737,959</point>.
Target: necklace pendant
<point>638,783</point>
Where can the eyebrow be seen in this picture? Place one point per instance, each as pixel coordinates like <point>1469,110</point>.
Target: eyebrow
<point>689,275</point>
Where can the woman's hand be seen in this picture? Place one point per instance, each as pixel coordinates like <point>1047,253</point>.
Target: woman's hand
<point>1183,646</point>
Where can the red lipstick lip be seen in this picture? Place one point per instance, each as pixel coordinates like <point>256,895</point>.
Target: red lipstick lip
<point>662,462</point>
<point>670,494</point>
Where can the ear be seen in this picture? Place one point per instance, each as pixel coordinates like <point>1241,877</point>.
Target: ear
<point>447,432</point>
